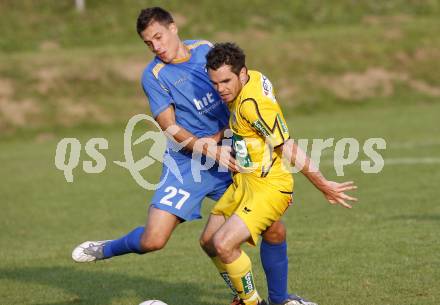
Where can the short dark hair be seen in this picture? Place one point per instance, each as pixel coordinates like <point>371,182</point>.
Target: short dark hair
<point>226,53</point>
<point>152,14</point>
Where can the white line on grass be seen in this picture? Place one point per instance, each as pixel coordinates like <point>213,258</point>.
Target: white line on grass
<point>395,161</point>
<point>414,144</point>
<point>399,161</point>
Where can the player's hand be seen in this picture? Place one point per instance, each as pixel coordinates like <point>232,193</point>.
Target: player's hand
<point>223,156</point>
<point>334,192</point>
<point>225,159</point>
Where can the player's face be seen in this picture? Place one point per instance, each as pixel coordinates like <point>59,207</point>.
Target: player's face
<point>162,40</point>
<point>226,82</point>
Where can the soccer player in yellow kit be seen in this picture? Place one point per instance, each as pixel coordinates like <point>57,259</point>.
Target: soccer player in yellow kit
<point>261,192</point>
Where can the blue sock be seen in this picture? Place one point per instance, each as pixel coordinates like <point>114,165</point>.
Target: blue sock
<point>275,265</point>
<point>130,243</point>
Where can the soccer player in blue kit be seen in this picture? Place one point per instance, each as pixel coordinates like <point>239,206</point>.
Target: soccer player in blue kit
<point>180,94</point>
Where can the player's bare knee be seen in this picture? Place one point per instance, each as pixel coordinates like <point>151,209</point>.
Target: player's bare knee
<point>275,234</point>
<point>221,245</point>
<point>204,242</point>
<point>204,239</point>
<point>207,246</point>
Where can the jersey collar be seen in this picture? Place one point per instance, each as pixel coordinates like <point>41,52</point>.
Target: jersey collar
<point>184,59</point>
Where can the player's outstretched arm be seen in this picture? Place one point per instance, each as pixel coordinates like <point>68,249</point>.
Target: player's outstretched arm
<point>333,191</point>
<point>206,146</point>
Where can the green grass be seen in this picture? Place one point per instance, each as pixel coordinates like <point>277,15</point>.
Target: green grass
<point>384,251</point>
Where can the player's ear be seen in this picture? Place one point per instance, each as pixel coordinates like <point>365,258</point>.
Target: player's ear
<point>173,28</point>
<point>243,75</point>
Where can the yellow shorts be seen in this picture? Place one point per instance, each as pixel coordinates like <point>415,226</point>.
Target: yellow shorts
<point>255,202</point>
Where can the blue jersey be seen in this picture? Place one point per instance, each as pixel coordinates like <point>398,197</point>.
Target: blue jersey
<point>186,86</point>
<point>199,109</point>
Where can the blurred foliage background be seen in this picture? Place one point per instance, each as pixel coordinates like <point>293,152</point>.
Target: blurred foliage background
<point>61,68</point>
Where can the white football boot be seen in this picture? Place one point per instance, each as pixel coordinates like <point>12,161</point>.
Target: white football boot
<point>294,300</point>
<point>89,251</point>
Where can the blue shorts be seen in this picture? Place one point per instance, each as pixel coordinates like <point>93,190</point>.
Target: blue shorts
<point>184,198</point>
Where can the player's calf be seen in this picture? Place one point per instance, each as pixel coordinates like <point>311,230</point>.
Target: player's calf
<point>149,243</point>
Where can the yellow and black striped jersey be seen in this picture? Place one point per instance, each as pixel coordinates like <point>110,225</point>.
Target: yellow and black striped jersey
<point>258,127</point>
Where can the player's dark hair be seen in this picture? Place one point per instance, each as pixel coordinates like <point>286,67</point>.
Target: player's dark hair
<point>150,15</point>
<point>226,53</point>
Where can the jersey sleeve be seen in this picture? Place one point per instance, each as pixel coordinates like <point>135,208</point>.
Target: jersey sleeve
<point>158,95</point>
<point>266,121</point>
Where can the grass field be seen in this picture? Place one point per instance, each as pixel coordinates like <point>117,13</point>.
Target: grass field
<point>384,251</point>
<point>342,68</point>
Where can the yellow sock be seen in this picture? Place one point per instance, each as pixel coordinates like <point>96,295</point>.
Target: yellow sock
<point>240,273</point>
<point>223,273</point>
